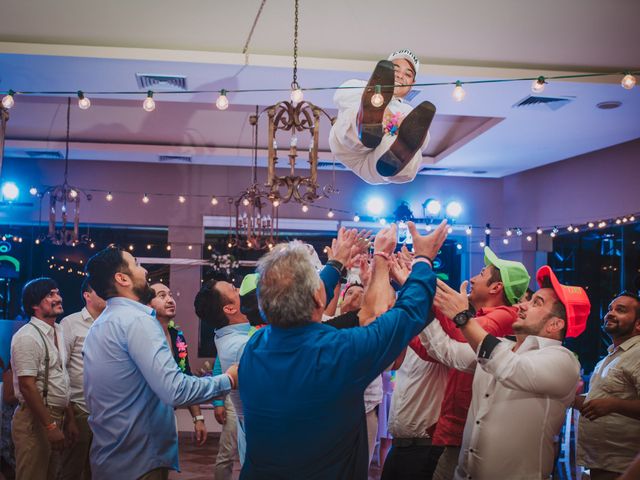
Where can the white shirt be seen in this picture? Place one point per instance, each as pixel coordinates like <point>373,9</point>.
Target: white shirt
<point>27,360</point>
<point>75,328</point>
<point>517,407</point>
<point>417,396</point>
<point>612,441</point>
<point>373,394</point>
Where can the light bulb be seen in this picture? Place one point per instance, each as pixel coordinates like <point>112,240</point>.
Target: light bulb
<point>330,213</point>
<point>305,208</point>
<point>181,199</point>
<point>73,193</point>
<point>190,247</point>
<point>168,248</point>
<point>450,230</point>
<point>519,231</point>
<point>246,202</point>
<point>628,81</point>
<point>7,100</point>
<point>482,244</point>
<point>552,234</point>
<point>591,224</point>
<point>570,228</point>
<point>459,246</point>
<point>538,85</point>
<point>458,93</point>
<point>383,221</point>
<point>632,218</point>
<point>529,238</point>
<point>92,245</point>
<point>276,203</point>
<point>209,247</point>
<point>131,248</point>
<point>296,94</point>
<point>83,102</point>
<point>487,231</point>
<point>145,198</point>
<point>37,241</point>
<point>618,221</point>
<point>109,197</point>
<point>148,247</point>
<point>509,232</point>
<point>214,201</point>
<point>377,99</point>
<point>149,103</point>
<point>539,231</point>
<point>33,191</point>
<point>468,230</point>
<point>505,241</point>
<point>356,218</point>
<point>229,245</point>
<point>222,102</point>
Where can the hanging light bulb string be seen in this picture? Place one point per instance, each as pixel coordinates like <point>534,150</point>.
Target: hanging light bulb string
<point>150,94</point>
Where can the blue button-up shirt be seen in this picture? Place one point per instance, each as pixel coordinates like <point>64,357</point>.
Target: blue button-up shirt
<point>131,384</point>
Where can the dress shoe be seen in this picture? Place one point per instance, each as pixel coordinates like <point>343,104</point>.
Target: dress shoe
<point>369,120</point>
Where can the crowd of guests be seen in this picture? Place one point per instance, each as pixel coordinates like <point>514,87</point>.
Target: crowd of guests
<point>483,381</point>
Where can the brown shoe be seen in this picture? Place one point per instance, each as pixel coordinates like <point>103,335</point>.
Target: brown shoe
<point>411,135</point>
<point>369,120</point>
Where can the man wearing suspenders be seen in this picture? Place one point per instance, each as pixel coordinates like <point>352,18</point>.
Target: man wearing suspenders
<point>41,383</point>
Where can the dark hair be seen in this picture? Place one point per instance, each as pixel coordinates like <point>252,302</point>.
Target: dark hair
<point>629,294</point>
<point>101,270</point>
<point>34,291</point>
<point>85,288</point>
<point>350,286</point>
<point>208,304</point>
<point>497,277</point>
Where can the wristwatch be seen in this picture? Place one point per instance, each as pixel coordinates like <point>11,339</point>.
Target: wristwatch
<point>198,418</point>
<point>462,318</point>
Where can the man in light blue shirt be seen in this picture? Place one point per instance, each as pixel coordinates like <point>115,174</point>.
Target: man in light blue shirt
<point>131,380</point>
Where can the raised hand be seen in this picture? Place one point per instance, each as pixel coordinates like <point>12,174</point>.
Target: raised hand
<point>386,240</point>
<point>399,270</point>
<point>342,247</point>
<point>428,245</point>
<point>450,302</point>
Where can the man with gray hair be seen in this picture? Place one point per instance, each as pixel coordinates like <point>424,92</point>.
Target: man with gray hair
<point>303,381</point>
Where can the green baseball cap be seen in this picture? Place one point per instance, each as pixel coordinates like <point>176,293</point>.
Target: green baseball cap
<point>515,277</point>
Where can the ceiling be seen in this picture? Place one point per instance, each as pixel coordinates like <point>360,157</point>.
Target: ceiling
<point>68,45</point>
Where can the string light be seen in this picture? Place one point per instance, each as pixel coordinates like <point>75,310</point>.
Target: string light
<point>383,221</point>
<point>92,245</point>
<point>632,218</point>
<point>458,93</point>
<point>37,241</point>
<point>131,248</point>
<point>83,102</point>
<point>145,198</point>
<point>276,203</point>
<point>377,100</point>
<point>229,245</point>
<point>182,199</point>
<point>33,191</point>
<point>505,241</point>
<point>168,248</point>
<point>529,238</point>
<point>209,247</point>
<point>190,247</point>
<point>246,202</point>
<point>149,103</point>
<point>109,197</point>
<point>222,101</point>
<point>519,232</point>
<point>214,200</point>
<point>305,208</point>
<point>539,231</point>
<point>73,193</point>
<point>538,85</point>
<point>628,81</point>
<point>591,225</point>
<point>482,244</point>
<point>552,234</point>
<point>487,231</point>
<point>570,228</point>
<point>618,221</point>
<point>148,246</point>
<point>602,224</point>
<point>330,213</point>
<point>459,246</point>
<point>468,230</point>
<point>7,100</point>
<point>356,218</point>
<point>554,230</point>
<point>509,232</point>
<point>450,230</point>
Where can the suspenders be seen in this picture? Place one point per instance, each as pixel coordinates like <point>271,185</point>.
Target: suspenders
<point>45,389</point>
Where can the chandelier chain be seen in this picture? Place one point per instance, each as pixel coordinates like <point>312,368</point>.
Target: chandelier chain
<point>295,46</point>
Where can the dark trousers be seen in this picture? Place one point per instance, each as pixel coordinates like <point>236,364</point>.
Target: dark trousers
<point>411,463</point>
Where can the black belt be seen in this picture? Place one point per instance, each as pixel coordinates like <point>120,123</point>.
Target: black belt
<point>411,442</point>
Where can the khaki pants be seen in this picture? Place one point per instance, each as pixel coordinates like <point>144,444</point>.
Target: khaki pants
<point>75,460</point>
<point>228,445</point>
<point>447,464</point>
<point>35,460</point>
<point>156,474</point>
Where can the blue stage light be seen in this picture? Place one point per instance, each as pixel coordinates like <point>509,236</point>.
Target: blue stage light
<point>454,209</point>
<point>433,207</point>
<point>375,205</point>
<point>10,191</point>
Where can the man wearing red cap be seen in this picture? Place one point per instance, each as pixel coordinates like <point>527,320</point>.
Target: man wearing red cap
<point>377,134</point>
<point>609,428</point>
<point>522,388</point>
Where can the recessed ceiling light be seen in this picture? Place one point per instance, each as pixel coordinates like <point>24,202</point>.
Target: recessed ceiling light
<point>609,105</point>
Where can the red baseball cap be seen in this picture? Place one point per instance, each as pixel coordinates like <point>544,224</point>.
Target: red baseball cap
<point>574,299</point>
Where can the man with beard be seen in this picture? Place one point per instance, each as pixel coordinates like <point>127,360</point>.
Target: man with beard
<point>131,380</point>
<point>521,389</point>
<point>609,427</point>
<point>41,384</point>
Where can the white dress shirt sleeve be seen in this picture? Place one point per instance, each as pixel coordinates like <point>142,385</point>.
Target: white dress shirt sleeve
<point>448,351</point>
<point>552,371</point>
<point>26,356</point>
<point>69,337</point>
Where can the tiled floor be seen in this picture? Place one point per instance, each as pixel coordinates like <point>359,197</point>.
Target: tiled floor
<point>197,462</point>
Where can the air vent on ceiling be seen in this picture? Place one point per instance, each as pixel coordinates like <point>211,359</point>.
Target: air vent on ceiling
<point>338,165</point>
<point>174,158</point>
<point>433,169</point>
<point>44,154</point>
<point>533,102</point>
<point>154,82</point>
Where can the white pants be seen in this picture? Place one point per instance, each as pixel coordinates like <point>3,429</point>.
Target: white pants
<point>346,146</point>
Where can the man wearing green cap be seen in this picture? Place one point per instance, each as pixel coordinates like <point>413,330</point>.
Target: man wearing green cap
<point>494,291</point>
